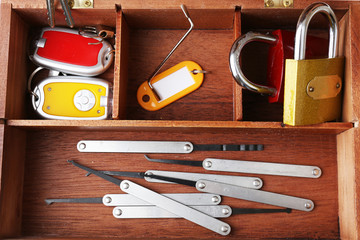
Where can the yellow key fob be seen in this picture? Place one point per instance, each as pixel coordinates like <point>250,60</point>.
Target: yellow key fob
<point>170,85</point>
<point>70,97</point>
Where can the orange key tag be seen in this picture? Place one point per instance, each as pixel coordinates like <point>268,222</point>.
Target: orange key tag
<point>170,85</point>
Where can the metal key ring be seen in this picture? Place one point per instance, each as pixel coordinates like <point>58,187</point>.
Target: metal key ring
<point>30,80</point>
<point>90,32</point>
<point>108,54</point>
<point>234,58</point>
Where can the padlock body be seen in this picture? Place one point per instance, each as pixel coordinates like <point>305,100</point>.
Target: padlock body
<point>65,50</point>
<point>312,90</point>
<point>284,49</point>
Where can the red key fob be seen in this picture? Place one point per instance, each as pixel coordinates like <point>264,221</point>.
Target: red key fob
<point>65,50</point>
<point>284,49</point>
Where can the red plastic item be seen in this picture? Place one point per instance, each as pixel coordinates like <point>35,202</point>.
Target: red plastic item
<point>70,48</point>
<point>284,49</point>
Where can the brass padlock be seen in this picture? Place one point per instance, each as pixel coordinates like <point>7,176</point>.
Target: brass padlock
<point>313,87</point>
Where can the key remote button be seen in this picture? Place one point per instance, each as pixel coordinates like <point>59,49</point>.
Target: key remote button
<point>84,100</point>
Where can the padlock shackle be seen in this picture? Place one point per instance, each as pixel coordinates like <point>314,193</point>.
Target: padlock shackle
<point>234,61</point>
<point>302,28</point>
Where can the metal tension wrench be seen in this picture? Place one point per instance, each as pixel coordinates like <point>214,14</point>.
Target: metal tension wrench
<point>163,202</point>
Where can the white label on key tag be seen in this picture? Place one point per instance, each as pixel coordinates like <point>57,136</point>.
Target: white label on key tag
<point>173,83</point>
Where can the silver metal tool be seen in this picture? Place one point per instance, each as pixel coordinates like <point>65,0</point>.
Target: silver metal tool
<point>220,211</point>
<point>176,208</point>
<point>112,200</point>
<point>51,12</point>
<point>249,182</point>
<point>245,193</point>
<point>255,195</point>
<point>159,146</point>
<point>129,206</point>
<point>67,12</point>
<point>183,8</point>
<point>214,164</point>
<point>184,198</point>
<point>164,202</point>
<point>50,201</point>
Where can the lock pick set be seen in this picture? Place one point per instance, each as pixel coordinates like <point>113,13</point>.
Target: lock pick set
<point>304,75</point>
<point>200,208</point>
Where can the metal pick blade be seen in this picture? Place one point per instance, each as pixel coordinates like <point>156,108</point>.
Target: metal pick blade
<point>74,200</point>
<point>97,173</point>
<point>179,162</point>
<point>174,180</point>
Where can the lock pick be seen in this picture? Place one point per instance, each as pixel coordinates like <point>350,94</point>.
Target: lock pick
<point>243,181</point>
<point>225,165</point>
<point>137,208</point>
<point>203,202</point>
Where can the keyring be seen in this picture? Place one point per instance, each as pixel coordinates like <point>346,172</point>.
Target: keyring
<point>30,80</point>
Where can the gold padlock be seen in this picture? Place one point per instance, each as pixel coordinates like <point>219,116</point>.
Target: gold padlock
<point>313,87</point>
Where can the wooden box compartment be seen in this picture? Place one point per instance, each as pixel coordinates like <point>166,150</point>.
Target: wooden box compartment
<point>43,172</point>
<point>144,38</point>
<point>152,34</point>
<point>34,151</point>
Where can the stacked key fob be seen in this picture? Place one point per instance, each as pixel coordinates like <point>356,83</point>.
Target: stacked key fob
<point>65,50</point>
<point>65,97</point>
<point>72,97</point>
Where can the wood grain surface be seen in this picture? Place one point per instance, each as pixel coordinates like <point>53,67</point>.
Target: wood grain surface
<point>348,170</point>
<point>12,163</point>
<point>174,126</point>
<point>5,19</point>
<point>238,107</point>
<point>348,151</point>
<point>120,67</point>
<point>48,175</point>
<point>15,60</point>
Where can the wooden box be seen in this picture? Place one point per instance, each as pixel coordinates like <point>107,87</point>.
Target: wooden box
<point>34,152</point>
